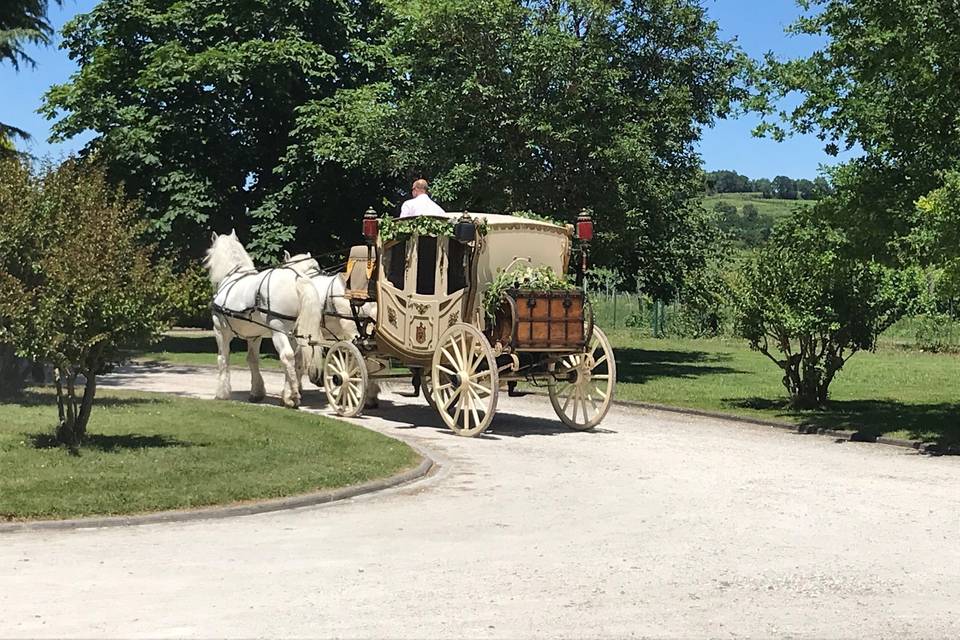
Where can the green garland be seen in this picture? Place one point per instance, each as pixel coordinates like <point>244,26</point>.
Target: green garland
<point>402,228</point>
<point>530,215</point>
<point>541,278</point>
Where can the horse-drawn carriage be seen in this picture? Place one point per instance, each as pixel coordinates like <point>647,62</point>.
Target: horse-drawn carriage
<point>416,296</point>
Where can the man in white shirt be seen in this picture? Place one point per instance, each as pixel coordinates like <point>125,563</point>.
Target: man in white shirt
<point>420,204</point>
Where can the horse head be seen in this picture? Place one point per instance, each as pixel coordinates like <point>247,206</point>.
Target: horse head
<point>226,254</point>
<point>302,263</point>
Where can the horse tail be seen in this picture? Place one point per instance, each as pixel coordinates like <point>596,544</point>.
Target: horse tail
<point>310,318</point>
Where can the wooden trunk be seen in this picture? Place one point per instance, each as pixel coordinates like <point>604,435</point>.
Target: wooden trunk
<point>541,320</point>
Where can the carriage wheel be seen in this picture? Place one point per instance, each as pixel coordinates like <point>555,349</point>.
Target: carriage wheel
<point>581,384</point>
<point>345,379</point>
<point>464,380</point>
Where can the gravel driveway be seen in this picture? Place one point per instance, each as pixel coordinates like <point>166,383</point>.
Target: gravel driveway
<point>657,525</point>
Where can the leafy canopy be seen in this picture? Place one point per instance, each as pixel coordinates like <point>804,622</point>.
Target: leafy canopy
<point>885,83</point>
<point>545,106</point>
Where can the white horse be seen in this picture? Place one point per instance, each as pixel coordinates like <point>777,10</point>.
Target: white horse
<point>278,303</point>
<point>338,319</point>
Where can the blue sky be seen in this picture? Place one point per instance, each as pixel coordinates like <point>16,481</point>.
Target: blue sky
<point>756,24</point>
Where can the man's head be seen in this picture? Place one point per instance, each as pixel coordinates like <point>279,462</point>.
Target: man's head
<point>419,186</point>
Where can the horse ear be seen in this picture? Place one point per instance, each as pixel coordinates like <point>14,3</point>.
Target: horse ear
<point>286,256</point>
<point>213,237</point>
<point>233,232</point>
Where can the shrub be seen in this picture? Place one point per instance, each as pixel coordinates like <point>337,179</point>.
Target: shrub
<point>70,247</point>
<point>807,304</point>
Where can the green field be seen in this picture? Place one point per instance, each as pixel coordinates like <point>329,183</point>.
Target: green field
<point>772,207</point>
<point>150,452</point>
<point>200,348</point>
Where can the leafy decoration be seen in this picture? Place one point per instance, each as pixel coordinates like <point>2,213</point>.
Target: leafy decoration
<point>541,278</point>
<point>530,215</point>
<point>403,228</point>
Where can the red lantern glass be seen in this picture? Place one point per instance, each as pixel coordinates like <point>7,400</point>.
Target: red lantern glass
<point>584,228</point>
<point>370,227</point>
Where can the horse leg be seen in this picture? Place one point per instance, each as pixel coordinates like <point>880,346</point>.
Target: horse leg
<point>223,334</point>
<point>372,401</point>
<point>288,360</point>
<point>301,366</point>
<point>257,392</point>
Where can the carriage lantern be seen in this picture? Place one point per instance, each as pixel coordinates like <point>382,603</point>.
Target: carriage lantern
<point>370,226</point>
<point>465,230</point>
<point>584,226</point>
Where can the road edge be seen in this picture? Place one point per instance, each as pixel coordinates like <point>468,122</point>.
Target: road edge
<point>426,466</point>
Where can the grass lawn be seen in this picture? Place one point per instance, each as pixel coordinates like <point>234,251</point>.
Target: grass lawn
<point>200,348</point>
<point>150,452</point>
<point>902,394</point>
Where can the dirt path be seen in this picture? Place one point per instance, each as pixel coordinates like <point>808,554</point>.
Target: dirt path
<point>657,525</point>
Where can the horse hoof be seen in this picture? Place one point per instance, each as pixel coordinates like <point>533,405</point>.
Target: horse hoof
<point>221,396</point>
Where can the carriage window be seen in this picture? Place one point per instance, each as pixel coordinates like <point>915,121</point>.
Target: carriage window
<point>395,260</point>
<point>456,269</point>
<point>426,265</point>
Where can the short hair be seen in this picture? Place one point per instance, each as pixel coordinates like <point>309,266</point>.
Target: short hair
<point>420,184</point>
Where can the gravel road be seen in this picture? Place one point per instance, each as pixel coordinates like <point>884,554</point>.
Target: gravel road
<point>657,525</point>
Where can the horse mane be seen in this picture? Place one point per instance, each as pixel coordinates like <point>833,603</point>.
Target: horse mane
<point>226,254</point>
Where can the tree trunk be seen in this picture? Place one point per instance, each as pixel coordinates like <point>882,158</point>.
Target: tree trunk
<point>86,404</point>
<point>67,430</point>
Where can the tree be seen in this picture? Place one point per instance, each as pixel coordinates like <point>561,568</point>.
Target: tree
<point>784,187</point>
<point>728,182</point>
<point>21,22</point>
<point>809,304</point>
<point>882,83</point>
<point>544,106</point>
<point>806,190</point>
<point>194,102</point>
<point>764,186</point>
<point>70,253</point>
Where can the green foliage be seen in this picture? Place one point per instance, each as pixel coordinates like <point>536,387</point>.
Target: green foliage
<point>541,106</point>
<point>530,215</point>
<point>809,299</point>
<point>879,83</point>
<point>189,293</point>
<point>524,277</point>
<point>391,228</point>
<point>71,251</point>
<point>402,228</point>
<point>194,103</point>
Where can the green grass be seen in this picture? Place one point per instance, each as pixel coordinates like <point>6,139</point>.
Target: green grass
<point>149,452</point>
<point>774,207</point>
<point>200,348</point>
<point>890,393</point>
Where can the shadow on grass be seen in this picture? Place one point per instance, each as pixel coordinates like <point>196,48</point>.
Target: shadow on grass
<point>206,344</point>
<point>642,365</point>
<point>49,398</point>
<point>110,443</point>
<point>870,419</point>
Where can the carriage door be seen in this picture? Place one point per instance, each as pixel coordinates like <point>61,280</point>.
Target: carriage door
<point>438,287</point>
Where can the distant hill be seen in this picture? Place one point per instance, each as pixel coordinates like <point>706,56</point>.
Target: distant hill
<point>773,207</point>
<point>748,217</point>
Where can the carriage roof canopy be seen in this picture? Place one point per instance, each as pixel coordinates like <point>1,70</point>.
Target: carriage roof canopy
<point>513,241</point>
